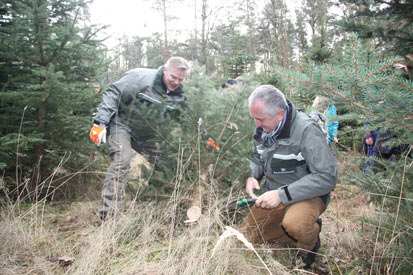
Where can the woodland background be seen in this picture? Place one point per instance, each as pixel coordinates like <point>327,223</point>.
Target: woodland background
<point>54,69</point>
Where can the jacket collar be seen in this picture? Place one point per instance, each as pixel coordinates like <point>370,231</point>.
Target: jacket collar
<point>285,131</point>
<point>160,87</point>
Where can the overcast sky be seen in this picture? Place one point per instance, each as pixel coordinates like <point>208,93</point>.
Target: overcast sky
<point>134,17</point>
<point>139,18</point>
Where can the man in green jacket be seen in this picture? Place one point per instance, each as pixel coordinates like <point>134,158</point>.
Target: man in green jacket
<point>291,152</point>
<point>119,114</point>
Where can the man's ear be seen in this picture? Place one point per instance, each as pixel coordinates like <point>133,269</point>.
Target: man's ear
<point>281,113</point>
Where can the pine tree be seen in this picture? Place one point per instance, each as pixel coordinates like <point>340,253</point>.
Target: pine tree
<point>279,27</point>
<point>207,145</point>
<point>50,59</point>
<point>230,48</point>
<point>301,39</point>
<point>390,23</point>
<point>372,90</point>
<point>316,14</point>
<point>154,51</point>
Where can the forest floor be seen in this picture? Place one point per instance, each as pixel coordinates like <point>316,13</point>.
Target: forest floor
<point>68,238</point>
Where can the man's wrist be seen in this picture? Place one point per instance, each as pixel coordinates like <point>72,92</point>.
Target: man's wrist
<point>256,178</point>
<point>100,124</point>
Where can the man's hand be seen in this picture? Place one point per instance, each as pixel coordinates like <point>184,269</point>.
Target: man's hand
<point>335,139</point>
<point>98,134</point>
<point>252,184</point>
<point>269,199</point>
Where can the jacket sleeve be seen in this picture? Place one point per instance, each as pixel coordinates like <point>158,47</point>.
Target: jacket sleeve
<point>321,165</point>
<point>120,91</point>
<point>256,166</point>
<point>109,105</point>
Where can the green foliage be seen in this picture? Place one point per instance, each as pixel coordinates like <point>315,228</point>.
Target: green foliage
<point>273,79</point>
<point>188,160</point>
<point>373,91</point>
<point>231,48</point>
<point>388,22</point>
<point>319,52</point>
<point>47,99</point>
<point>301,39</point>
<point>143,52</point>
<point>154,53</point>
<point>315,13</point>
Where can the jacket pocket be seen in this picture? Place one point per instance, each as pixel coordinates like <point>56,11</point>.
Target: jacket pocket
<point>286,164</point>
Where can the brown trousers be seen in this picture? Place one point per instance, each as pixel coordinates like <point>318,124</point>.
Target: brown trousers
<point>285,224</point>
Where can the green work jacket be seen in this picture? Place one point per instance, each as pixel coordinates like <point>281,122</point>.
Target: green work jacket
<point>300,164</point>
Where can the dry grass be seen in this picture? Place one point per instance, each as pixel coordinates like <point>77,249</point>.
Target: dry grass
<point>145,240</point>
<point>345,243</point>
<point>142,241</point>
<point>151,238</point>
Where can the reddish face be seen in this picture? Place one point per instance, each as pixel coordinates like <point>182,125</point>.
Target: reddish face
<point>268,123</point>
<point>173,78</point>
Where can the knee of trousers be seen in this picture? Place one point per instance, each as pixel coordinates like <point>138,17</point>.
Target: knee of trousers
<point>121,160</point>
<point>294,228</point>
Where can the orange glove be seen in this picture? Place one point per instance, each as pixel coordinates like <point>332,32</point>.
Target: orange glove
<point>212,143</point>
<point>98,134</point>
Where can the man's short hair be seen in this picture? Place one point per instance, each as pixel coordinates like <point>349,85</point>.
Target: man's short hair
<point>178,63</point>
<point>273,99</point>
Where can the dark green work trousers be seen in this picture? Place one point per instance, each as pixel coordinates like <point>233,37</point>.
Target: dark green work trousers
<point>119,148</point>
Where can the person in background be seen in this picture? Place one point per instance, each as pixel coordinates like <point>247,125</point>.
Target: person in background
<point>374,140</point>
<point>231,81</point>
<point>406,67</point>
<point>162,86</point>
<point>374,148</point>
<point>328,111</point>
<point>299,170</point>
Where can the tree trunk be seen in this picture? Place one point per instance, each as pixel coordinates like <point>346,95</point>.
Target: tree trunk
<point>195,53</point>
<point>40,24</point>
<point>165,24</point>
<point>251,49</point>
<point>204,57</point>
<point>286,44</point>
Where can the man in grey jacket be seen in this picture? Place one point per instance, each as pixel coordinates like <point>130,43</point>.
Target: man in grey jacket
<point>119,114</point>
<point>300,171</point>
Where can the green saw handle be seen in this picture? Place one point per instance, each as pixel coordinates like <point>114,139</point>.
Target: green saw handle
<point>245,202</point>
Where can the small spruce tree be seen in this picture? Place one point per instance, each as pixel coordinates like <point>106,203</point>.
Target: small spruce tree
<point>206,146</point>
<point>50,58</point>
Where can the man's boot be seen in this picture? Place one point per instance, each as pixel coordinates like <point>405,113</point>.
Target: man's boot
<point>304,259</point>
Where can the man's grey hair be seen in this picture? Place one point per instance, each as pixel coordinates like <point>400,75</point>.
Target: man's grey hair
<point>272,98</point>
<point>177,62</point>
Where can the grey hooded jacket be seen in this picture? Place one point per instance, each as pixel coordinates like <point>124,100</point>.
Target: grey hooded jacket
<point>300,164</point>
